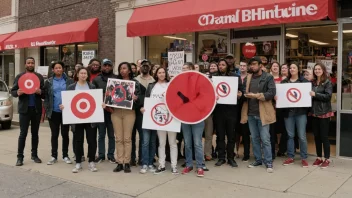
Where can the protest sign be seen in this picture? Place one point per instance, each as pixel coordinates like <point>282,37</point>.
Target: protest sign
<point>293,95</point>
<point>175,62</point>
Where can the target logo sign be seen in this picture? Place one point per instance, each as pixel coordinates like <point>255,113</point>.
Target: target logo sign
<point>119,96</point>
<point>83,105</point>
<point>160,115</point>
<point>293,95</point>
<point>223,89</point>
<point>29,83</point>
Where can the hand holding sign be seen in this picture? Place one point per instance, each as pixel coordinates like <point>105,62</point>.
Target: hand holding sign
<point>29,83</point>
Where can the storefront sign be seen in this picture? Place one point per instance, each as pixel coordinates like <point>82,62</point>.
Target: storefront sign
<point>87,56</point>
<point>43,43</point>
<point>249,50</point>
<point>175,62</point>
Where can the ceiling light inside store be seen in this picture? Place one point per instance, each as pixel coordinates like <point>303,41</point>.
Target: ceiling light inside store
<point>174,37</point>
<point>291,35</point>
<point>345,31</point>
<point>310,40</point>
<point>335,39</point>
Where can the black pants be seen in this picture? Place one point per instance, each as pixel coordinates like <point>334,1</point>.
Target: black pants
<point>55,123</point>
<point>246,139</point>
<point>30,118</point>
<point>225,126</point>
<point>91,134</point>
<point>137,127</point>
<point>273,139</point>
<point>321,136</point>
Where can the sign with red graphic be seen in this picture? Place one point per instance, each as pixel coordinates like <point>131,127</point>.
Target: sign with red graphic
<point>82,106</point>
<point>205,57</point>
<point>29,83</point>
<point>226,87</point>
<point>119,93</point>
<point>158,117</point>
<point>292,95</point>
<point>223,89</point>
<point>249,50</point>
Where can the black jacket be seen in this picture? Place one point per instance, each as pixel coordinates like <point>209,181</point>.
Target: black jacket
<point>298,110</point>
<point>49,94</point>
<point>101,81</point>
<point>321,103</point>
<point>23,100</point>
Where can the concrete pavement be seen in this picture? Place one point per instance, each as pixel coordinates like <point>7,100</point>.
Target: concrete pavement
<point>291,181</point>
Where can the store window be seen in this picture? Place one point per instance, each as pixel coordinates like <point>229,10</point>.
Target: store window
<point>51,55</point>
<point>68,56</point>
<point>86,47</point>
<point>347,68</point>
<point>213,44</point>
<point>159,46</point>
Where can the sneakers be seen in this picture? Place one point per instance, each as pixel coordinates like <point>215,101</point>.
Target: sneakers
<point>255,164</point>
<point>187,170</point>
<point>305,163</point>
<point>325,164</point>
<point>77,168</point>
<point>152,168</point>
<point>269,168</point>
<point>174,171</point>
<point>200,172</point>
<point>112,160</point>
<point>289,161</point>
<point>67,160</point>
<point>144,169</point>
<point>36,159</point>
<point>159,170</point>
<point>52,161</point>
<point>92,167</point>
<point>317,162</point>
<point>98,160</point>
<point>19,162</point>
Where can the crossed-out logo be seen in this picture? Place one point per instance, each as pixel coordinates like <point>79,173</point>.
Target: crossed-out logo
<point>43,43</point>
<point>258,14</point>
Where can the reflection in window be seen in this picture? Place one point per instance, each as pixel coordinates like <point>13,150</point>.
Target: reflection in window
<point>213,44</point>
<point>347,69</point>
<point>68,56</point>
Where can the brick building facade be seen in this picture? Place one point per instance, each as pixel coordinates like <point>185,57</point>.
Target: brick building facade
<point>5,8</point>
<point>40,13</point>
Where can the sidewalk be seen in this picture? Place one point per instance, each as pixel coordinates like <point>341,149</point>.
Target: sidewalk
<point>291,181</point>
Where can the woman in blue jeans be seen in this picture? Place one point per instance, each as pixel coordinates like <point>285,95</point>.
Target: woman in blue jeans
<point>295,117</point>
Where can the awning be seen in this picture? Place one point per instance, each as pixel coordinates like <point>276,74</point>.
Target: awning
<point>201,15</point>
<point>3,37</point>
<point>73,32</point>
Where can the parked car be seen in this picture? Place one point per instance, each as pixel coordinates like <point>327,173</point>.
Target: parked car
<point>6,106</point>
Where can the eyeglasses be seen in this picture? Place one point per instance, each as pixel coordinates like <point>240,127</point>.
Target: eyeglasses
<point>95,65</point>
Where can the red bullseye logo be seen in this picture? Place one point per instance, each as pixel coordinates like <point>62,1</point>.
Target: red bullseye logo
<point>119,98</point>
<point>160,115</point>
<point>83,105</point>
<point>29,83</point>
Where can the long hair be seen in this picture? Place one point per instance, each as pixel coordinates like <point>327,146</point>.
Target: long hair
<point>130,75</point>
<point>277,65</point>
<point>156,75</point>
<point>88,74</point>
<point>228,69</point>
<point>323,77</point>
<point>289,75</point>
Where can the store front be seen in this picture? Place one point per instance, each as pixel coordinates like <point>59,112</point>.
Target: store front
<point>7,62</point>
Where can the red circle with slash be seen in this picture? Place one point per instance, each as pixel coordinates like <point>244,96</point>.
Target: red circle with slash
<point>221,92</point>
<point>293,95</point>
<point>123,91</point>
<point>160,114</point>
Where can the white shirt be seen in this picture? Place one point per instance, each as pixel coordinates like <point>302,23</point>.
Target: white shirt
<point>158,92</point>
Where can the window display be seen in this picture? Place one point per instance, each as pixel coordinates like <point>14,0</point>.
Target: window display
<point>213,44</point>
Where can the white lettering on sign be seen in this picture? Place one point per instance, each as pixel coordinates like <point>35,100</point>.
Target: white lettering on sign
<point>43,43</point>
<point>175,62</point>
<point>9,47</point>
<point>259,14</point>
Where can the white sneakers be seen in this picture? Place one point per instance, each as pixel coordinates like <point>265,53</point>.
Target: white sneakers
<point>67,160</point>
<point>77,168</point>
<point>91,167</point>
<point>52,161</point>
<point>144,169</point>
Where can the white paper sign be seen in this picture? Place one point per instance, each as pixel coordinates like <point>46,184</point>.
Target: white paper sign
<point>87,56</point>
<point>175,62</point>
<point>43,70</point>
<point>226,87</point>
<point>293,95</point>
<point>311,66</point>
<point>82,106</point>
<point>328,65</point>
<point>157,117</point>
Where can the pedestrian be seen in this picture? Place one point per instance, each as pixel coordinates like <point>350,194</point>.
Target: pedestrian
<point>321,112</point>
<point>52,88</point>
<point>95,68</point>
<point>105,128</point>
<point>30,112</point>
<point>259,111</point>
<point>134,69</point>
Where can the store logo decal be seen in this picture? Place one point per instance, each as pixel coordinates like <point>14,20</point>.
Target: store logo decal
<point>259,14</point>
<point>44,43</point>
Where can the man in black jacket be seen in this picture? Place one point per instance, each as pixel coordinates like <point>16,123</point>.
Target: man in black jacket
<point>30,112</point>
<point>100,82</point>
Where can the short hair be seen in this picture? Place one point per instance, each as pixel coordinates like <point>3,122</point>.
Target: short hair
<point>57,63</point>
<point>94,59</point>
<point>29,58</point>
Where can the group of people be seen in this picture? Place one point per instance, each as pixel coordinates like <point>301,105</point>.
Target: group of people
<point>254,118</point>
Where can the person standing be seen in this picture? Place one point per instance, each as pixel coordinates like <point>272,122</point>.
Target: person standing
<point>95,67</point>
<point>259,112</point>
<point>52,89</point>
<point>321,112</point>
<point>106,127</point>
<point>30,112</point>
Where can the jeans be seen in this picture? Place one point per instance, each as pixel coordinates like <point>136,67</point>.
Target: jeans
<point>55,122</point>
<point>173,147</point>
<point>33,118</point>
<point>300,121</point>
<point>208,136</point>
<point>91,134</point>
<point>259,134</point>
<point>137,127</point>
<point>148,146</point>
<point>104,128</point>
<point>195,132</point>
<point>321,136</point>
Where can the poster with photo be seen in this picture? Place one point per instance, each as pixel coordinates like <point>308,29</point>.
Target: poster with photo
<point>119,93</point>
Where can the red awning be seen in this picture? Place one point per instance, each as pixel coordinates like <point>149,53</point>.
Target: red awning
<point>3,37</point>
<point>73,32</point>
<point>201,15</point>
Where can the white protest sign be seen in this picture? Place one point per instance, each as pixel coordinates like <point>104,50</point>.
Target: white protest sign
<point>226,88</point>
<point>293,95</point>
<point>158,117</point>
<point>328,65</point>
<point>87,56</point>
<point>43,70</point>
<point>82,106</point>
<point>175,62</point>
<point>310,66</point>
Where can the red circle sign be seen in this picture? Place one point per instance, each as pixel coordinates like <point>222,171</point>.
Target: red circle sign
<point>205,57</point>
<point>118,99</point>
<point>293,95</point>
<point>29,83</point>
<point>249,50</point>
<point>160,115</point>
<point>190,97</point>
<point>223,89</point>
<point>83,105</point>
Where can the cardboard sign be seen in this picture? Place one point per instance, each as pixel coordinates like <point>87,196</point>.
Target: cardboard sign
<point>87,56</point>
<point>82,106</point>
<point>293,95</point>
<point>226,87</point>
<point>175,62</point>
<point>158,117</point>
<point>119,93</point>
